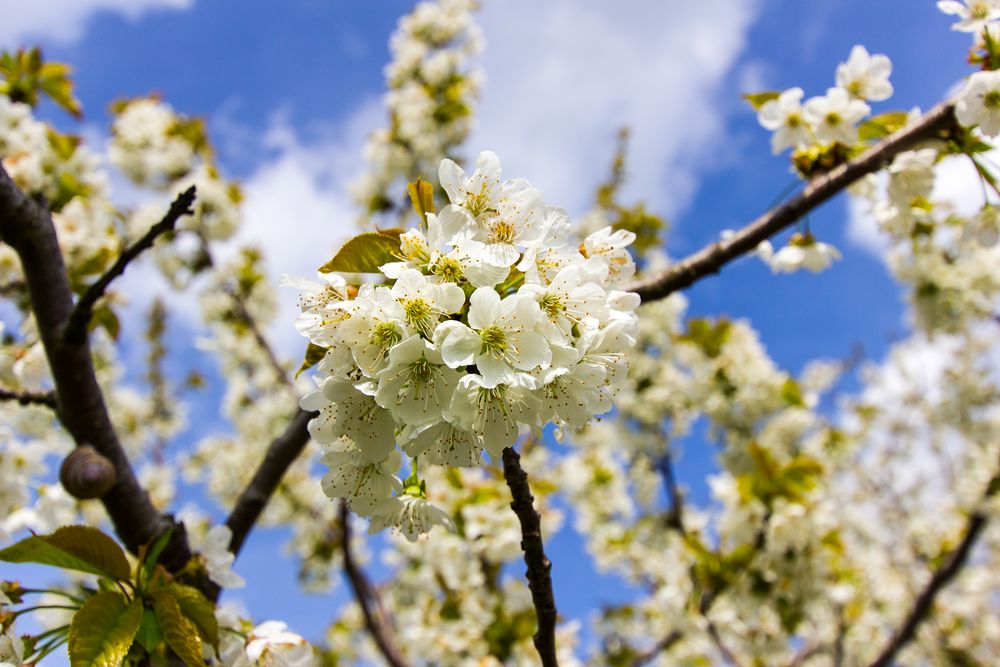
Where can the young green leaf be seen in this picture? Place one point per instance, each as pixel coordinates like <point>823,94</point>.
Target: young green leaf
<point>757,100</point>
<point>881,126</point>
<point>80,548</point>
<point>198,610</point>
<point>103,630</point>
<point>364,254</point>
<point>180,632</point>
<point>314,355</point>
<point>149,634</point>
<point>422,198</point>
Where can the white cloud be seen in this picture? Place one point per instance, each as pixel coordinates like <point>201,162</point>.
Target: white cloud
<point>562,76</point>
<point>65,21</point>
<point>297,208</point>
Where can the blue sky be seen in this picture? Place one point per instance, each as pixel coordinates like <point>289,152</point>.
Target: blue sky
<point>291,90</point>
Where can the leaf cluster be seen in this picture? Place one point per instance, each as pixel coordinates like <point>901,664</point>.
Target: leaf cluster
<point>135,615</point>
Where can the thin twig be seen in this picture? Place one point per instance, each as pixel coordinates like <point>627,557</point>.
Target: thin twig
<point>661,646</point>
<point>924,604</point>
<point>279,457</point>
<point>24,397</point>
<point>243,313</point>
<point>727,654</point>
<point>368,597</point>
<point>936,123</point>
<point>79,319</point>
<point>26,225</point>
<point>675,517</point>
<point>539,566</point>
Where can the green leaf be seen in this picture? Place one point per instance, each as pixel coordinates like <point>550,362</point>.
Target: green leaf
<point>314,355</point>
<point>364,254</point>
<point>103,630</point>
<point>149,634</point>
<point>180,632</point>
<point>106,318</point>
<point>150,555</point>
<point>198,610</point>
<point>757,100</point>
<point>878,127</point>
<point>422,198</point>
<point>80,548</point>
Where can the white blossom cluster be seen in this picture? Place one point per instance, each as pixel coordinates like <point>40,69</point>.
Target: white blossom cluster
<point>44,162</point>
<point>490,322</point>
<point>146,144</point>
<point>432,89</point>
<point>820,126</point>
<point>161,150</point>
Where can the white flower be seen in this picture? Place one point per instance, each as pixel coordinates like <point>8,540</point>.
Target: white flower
<point>974,14</point>
<point>11,649</point>
<point>864,76</point>
<point>785,117</point>
<point>425,302</point>
<point>377,323</point>
<point>271,644</point>
<point>364,484</point>
<point>409,515</point>
<point>611,248</point>
<point>493,413</point>
<point>804,251</point>
<point>546,256</point>
<point>414,386</point>
<point>507,213</point>
<point>834,115</point>
<point>214,549</point>
<point>979,103</point>
<point>345,411</point>
<point>499,339</point>
<point>445,444</point>
<point>572,297</point>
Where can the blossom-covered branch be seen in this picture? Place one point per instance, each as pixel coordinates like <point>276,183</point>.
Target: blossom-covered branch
<point>368,597</point>
<point>539,566</point>
<point>950,567</point>
<point>936,123</point>
<point>27,227</point>
<point>46,398</point>
<point>79,319</point>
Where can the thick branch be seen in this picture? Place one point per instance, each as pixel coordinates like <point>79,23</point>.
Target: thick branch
<point>539,566</point>
<point>279,457</point>
<point>934,124</point>
<point>924,604</point>
<point>368,597</point>
<point>79,319</point>
<point>46,398</point>
<point>27,227</point>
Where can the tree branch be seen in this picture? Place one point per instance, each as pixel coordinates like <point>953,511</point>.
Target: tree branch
<point>539,566</point>
<point>936,123</point>
<point>923,605</point>
<point>79,319</point>
<point>46,398</point>
<point>26,226</point>
<point>279,457</point>
<point>661,646</point>
<point>368,597</point>
<point>242,312</point>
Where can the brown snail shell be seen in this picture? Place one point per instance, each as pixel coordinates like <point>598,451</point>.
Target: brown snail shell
<point>85,474</point>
